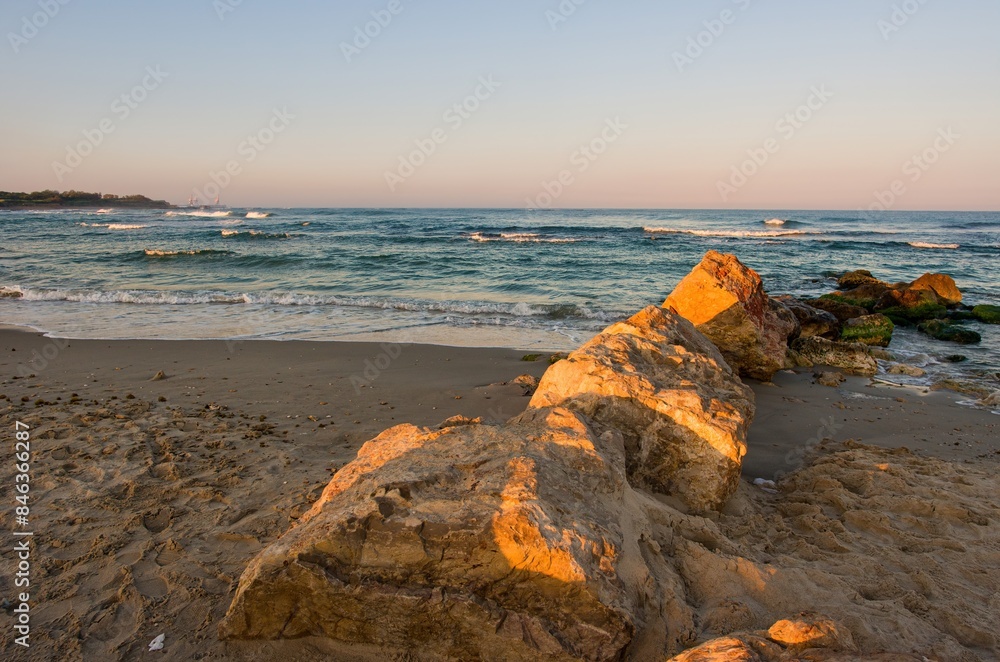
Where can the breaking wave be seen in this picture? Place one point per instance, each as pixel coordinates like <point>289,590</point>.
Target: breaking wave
<point>154,297</point>
<point>201,214</point>
<point>736,234</point>
<point>519,238</point>
<point>925,244</point>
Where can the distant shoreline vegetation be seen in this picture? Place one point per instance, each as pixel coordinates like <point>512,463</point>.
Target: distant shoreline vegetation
<point>67,199</point>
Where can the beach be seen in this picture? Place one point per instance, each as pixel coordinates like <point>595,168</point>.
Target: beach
<point>152,492</point>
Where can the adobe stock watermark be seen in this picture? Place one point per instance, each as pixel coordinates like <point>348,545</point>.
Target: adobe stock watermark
<point>122,108</point>
<point>35,23</point>
<point>378,364</point>
<point>249,149</point>
<point>786,128</point>
<point>900,16</point>
<point>365,34</point>
<point>579,162</point>
<point>913,169</point>
<point>562,13</point>
<point>40,360</point>
<point>698,45</point>
<point>454,117</point>
<point>224,7</point>
<point>794,458</point>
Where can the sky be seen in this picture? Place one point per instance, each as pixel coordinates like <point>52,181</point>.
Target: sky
<point>778,104</point>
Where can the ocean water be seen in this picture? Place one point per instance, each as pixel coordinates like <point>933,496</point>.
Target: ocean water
<point>544,280</point>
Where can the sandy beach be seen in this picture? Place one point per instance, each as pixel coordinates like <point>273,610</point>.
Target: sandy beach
<point>152,493</point>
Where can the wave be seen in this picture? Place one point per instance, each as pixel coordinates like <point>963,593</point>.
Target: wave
<point>114,226</point>
<point>925,244</point>
<point>471,308</point>
<point>159,253</point>
<point>258,214</point>
<point>201,214</point>
<point>736,234</point>
<point>775,221</point>
<point>519,238</point>
<point>255,234</point>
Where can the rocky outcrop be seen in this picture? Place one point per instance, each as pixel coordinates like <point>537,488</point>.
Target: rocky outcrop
<point>942,330</point>
<point>854,358</point>
<point>926,298</point>
<point>683,413</point>
<point>869,330</point>
<point>524,541</point>
<point>726,301</point>
<point>812,321</point>
<point>469,542</point>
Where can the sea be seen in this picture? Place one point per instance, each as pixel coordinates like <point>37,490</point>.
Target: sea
<point>534,280</point>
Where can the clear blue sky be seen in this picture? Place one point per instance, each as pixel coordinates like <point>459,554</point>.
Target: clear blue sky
<point>558,89</point>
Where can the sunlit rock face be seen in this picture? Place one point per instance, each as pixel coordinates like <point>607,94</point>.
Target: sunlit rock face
<point>470,542</point>
<point>726,301</point>
<point>659,382</point>
<point>808,636</point>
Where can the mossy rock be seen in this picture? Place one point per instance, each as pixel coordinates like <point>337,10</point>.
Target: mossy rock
<point>987,314</point>
<point>531,358</point>
<point>921,313</point>
<point>866,303</point>
<point>869,330</point>
<point>556,358</point>
<point>941,330</point>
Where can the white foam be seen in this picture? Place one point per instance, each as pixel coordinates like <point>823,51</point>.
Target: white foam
<point>257,214</point>
<point>731,233</point>
<point>775,221</point>
<point>520,238</point>
<point>154,297</point>
<point>114,226</point>
<point>924,244</point>
<point>201,214</point>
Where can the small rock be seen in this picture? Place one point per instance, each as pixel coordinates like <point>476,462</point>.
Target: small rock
<point>903,369</point>
<point>831,379</point>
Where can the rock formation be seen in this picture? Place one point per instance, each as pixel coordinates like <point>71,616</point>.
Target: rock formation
<point>522,541</point>
<point>726,301</point>
<point>683,413</point>
<point>512,542</point>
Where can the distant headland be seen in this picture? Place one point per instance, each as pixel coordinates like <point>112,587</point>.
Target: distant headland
<point>74,199</point>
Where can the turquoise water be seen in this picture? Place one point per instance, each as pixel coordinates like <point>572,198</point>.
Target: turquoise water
<point>525,279</point>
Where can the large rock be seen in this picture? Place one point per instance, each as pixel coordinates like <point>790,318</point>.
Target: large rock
<point>906,305</point>
<point>941,285</point>
<point>869,330</point>
<point>942,330</point>
<point>987,314</point>
<point>668,390</point>
<point>726,301</point>
<point>812,321</point>
<point>854,279</point>
<point>855,358</point>
<point>471,542</point>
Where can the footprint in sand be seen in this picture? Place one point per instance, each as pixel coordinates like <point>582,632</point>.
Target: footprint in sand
<point>170,552</point>
<point>158,521</point>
